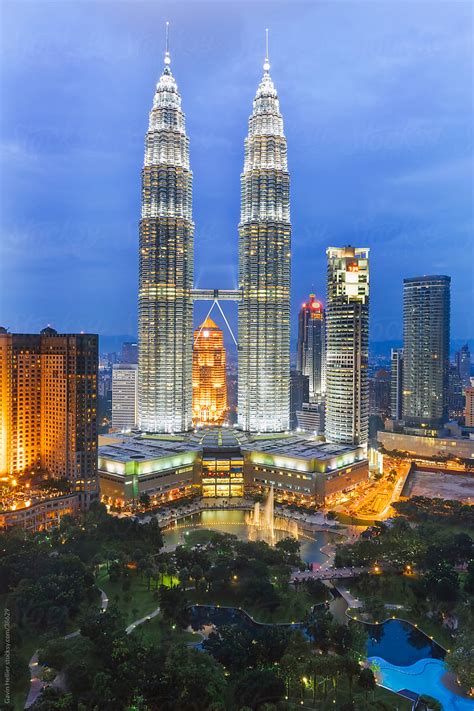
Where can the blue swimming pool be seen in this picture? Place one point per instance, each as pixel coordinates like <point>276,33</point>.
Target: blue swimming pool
<point>422,677</point>
<point>404,658</point>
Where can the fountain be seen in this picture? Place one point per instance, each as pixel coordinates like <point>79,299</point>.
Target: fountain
<point>262,523</point>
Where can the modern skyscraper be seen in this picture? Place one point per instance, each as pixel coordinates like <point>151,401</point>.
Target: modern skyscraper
<point>455,394</point>
<point>299,394</point>
<point>347,345</point>
<point>165,323</point>
<point>463,362</point>
<point>49,403</point>
<point>264,269</point>
<point>125,396</point>
<point>311,356</point>
<point>426,313</point>
<point>396,388</point>
<point>379,394</point>
<point>209,375</point>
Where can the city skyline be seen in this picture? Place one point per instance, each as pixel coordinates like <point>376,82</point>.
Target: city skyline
<point>76,249</point>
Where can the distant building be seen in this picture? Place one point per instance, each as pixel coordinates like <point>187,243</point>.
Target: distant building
<point>209,375</point>
<point>347,345</point>
<point>311,356</point>
<point>455,394</point>
<point>463,363</point>
<point>450,441</point>
<point>396,384</point>
<point>311,418</point>
<point>379,393</point>
<point>469,407</point>
<point>426,314</point>
<point>49,403</point>
<point>299,394</point>
<point>130,353</point>
<point>124,396</point>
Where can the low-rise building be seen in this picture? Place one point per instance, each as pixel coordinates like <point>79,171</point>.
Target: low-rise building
<point>225,463</point>
<point>450,441</point>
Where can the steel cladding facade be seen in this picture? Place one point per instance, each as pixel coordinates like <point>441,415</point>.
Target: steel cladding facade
<point>264,270</point>
<point>166,267</point>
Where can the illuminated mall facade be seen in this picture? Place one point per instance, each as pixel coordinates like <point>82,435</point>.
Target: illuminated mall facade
<point>227,463</point>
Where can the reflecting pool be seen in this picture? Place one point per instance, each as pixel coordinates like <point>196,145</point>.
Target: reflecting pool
<point>400,643</point>
<point>236,522</point>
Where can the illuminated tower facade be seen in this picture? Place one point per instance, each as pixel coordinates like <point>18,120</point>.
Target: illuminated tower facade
<point>165,323</point>
<point>310,357</point>
<point>209,375</point>
<point>264,269</point>
<point>426,316</point>
<point>49,404</point>
<point>347,345</point>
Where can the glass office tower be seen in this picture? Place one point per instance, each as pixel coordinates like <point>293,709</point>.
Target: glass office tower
<point>426,314</point>
<point>166,267</point>
<point>264,269</point>
<point>347,345</point>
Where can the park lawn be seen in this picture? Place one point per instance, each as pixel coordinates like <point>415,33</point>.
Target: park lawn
<point>155,631</point>
<point>134,603</point>
<point>393,589</point>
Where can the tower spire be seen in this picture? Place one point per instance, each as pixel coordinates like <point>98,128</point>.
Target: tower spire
<point>167,45</point>
<point>266,64</point>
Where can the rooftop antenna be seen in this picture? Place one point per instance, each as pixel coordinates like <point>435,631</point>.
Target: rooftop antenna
<point>167,45</point>
<point>266,65</point>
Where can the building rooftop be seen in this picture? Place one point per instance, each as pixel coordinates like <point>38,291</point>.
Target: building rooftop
<point>139,448</point>
<point>146,447</point>
<point>300,447</point>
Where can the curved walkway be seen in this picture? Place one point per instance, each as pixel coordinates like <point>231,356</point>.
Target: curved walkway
<point>36,669</point>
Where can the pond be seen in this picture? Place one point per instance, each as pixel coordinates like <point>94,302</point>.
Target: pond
<point>401,643</point>
<point>234,521</point>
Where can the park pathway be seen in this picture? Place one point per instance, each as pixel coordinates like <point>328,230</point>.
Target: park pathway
<point>36,670</point>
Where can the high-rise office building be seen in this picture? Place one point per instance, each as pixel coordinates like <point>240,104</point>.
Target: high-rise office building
<point>125,396</point>
<point>396,384</point>
<point>311,355</point>
<point>264,269</point>
<point>347,345</point>
<point>463,363</point>
<point>129,353</point>
<point>469,407</point>
<point>379,393</point>
<point>426,314</point>
<point>455,394</point>
<point>49,403</point>
<point>299,394</point>
<point>209,375</point>
<point>165,323</point>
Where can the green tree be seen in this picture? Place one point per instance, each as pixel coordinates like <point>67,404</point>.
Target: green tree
<point>461,659</point>
<point>257,687</point>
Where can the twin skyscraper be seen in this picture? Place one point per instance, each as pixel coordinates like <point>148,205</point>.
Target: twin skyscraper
<point>166,283</point>
<point>166,293</point>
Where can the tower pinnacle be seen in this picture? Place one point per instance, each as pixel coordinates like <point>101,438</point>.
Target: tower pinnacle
<point>167,45</point>
<point>266,64</point>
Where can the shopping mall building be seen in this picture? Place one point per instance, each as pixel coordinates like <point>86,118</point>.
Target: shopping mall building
<point>226,463</point>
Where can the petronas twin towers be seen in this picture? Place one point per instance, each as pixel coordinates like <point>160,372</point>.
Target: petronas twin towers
<point>166,293</point>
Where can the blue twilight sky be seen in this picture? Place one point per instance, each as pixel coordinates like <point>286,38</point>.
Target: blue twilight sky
<point>377,99</point>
